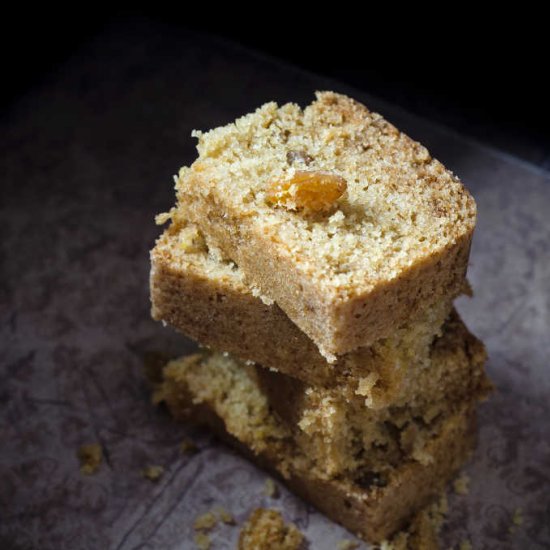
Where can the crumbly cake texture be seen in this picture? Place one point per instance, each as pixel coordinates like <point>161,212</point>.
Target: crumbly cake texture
<point>349,438</point>
<point>396,241</point>
<point>266,529</point>
<point>423,531</point>
<point>343,435</point>
<point>204,296</point>
<point>218,392</point>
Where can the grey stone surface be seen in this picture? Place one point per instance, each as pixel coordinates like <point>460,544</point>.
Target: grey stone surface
<point>86,163</point>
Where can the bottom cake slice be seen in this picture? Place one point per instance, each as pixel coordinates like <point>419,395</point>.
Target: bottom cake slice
<point>218,391</point>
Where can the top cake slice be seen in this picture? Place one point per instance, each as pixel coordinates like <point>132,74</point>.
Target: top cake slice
<point>350,226</point>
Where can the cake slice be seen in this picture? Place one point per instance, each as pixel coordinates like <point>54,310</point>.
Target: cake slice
<point>219,392</point>
<point>205,297</point>
<point>348,438</point>
<point>351,227</point>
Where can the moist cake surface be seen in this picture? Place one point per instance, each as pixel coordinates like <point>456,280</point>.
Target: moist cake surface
<point>348,224</point>
<point>216,391</point>
<point>205,296</point>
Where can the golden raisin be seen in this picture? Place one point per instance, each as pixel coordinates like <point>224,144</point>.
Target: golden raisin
<point>312,191</point>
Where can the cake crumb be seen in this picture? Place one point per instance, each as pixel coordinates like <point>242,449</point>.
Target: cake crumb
<point>271,490</point>
<point>461,485</point>
<point>465,545</point>
<point>257,294</point>
<point>348,545</point>
<point>224,515</point>
<point>202,541</point>
<point>90,457</point>
<point>152,472</point>
<point>205,522</point>
<point>188,447</point>
<point>161,219</point>
<point>265,529</point>
<point>517,518</point>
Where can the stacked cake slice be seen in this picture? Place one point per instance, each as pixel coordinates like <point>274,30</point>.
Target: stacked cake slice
<point>323,250</point>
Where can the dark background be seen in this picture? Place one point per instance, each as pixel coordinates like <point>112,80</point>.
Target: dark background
<point>482,75</point>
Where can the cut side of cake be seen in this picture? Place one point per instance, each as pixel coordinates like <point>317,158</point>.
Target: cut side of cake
<point>350,226</point>
<point>348,438</point>
<point>218,391</point>
<point>205,296</point>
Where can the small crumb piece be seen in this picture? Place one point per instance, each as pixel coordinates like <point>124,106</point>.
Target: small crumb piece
<point>465,545</point>
<point>153,472</point>
<point>300,157</point>
<point>161,219</point>
<point>90,457</point>
<point>202,541</point>
<point>348,545</point>
<point>224,515</point>
<point>461,485</point>
<point>257,294</point>
<point>266,530</point>
<point>306,190</point>
<point>205,522</point>
<point>271,489</point>
<point>188,447</point>
<point>366,384</point>
<point>191,241</point>
<point>517,518</point>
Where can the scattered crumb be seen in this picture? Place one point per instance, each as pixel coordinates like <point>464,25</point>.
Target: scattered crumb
<point>423,531</point>
<point>465,545</point>
<point>517,518</point>
<point>270,489</point>
<point>90,457</point>
<point>266,530</point>
<point>348,545</point>
<point>188,447</point>
<point>153,472</point>
<point>205,522</point>
<point>202,541</point>
<point>224,515</point>
<point>461,485</point>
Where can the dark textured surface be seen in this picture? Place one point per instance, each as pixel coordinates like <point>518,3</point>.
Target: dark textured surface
<point>86,163</point>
